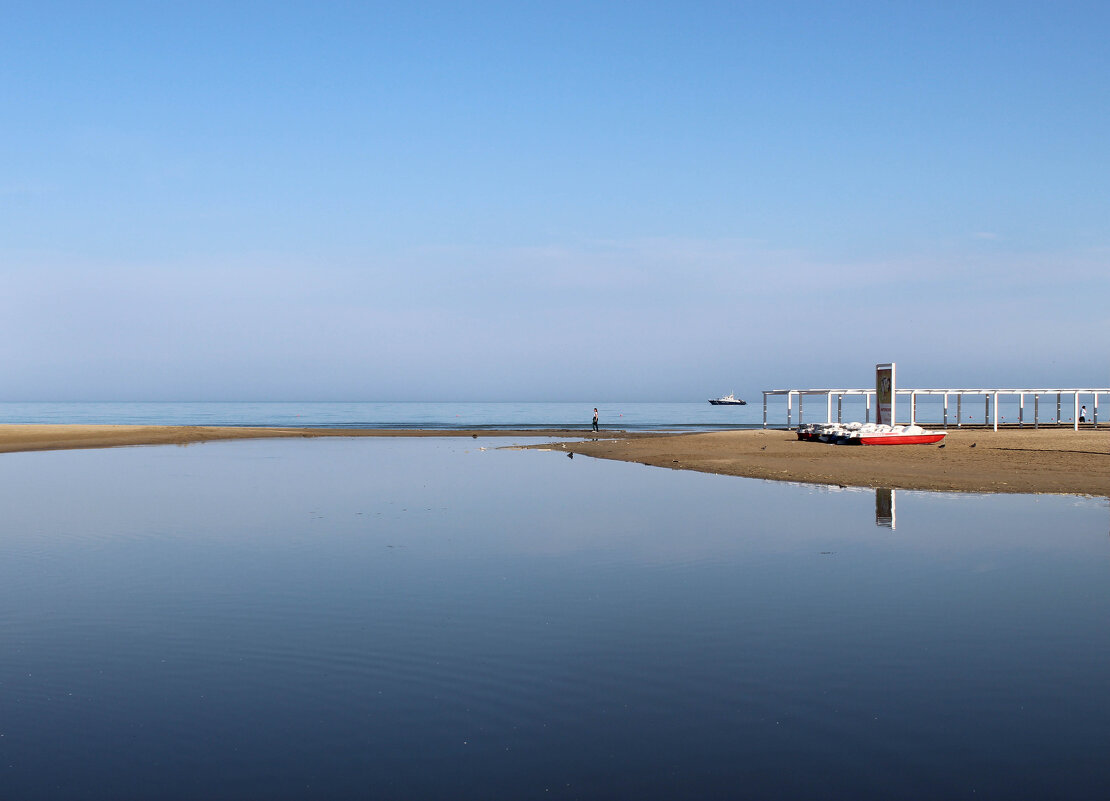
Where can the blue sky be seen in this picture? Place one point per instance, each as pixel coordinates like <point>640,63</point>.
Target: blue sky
<point>560,201</point>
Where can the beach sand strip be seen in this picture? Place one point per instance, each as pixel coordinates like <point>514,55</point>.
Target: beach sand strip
<point>19,437</point>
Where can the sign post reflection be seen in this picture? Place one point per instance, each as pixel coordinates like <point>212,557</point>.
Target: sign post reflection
<point>885,514</point>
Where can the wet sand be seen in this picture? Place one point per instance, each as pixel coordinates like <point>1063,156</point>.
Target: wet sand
<point>1052,461</point>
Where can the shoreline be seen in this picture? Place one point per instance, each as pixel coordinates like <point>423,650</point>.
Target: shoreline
<point>1010,461</point>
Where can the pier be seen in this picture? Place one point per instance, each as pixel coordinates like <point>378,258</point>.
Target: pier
<point>1018,400</point>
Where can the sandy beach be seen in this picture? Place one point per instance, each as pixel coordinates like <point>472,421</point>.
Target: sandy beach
<point>1028,461</point>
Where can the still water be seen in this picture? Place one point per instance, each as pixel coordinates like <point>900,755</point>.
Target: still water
<point>401,619</point>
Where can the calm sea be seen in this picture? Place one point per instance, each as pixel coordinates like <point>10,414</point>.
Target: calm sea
<point>446,416</point>
<point>444,619</point>
<point>627,416</point>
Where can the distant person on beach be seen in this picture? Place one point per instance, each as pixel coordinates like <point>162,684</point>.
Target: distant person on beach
<point>595,418</point>
<point>1083,415</point>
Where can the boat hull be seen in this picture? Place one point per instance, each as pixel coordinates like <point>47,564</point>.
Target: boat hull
<point>873,439</point>
<point>729,402</point>
<point>900,439</point>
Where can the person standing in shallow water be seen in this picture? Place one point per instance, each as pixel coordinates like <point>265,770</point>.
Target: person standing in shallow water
<point>595,418</point>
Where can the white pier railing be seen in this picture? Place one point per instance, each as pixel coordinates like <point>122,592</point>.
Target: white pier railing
<point>990,403</point>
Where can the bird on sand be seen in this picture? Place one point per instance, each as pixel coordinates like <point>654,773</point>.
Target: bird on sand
<point>972,445</point>
<point>570,455</point>
<point>941,445</point>
<point>763,448</point>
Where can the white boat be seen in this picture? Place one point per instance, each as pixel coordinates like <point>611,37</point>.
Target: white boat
<point>868,434</point>
<point>728,400</point>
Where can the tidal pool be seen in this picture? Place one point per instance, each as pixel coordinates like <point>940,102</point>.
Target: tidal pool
<point>425,618</point>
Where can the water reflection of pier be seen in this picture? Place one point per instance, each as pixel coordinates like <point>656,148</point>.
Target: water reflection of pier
<point>885,514</point>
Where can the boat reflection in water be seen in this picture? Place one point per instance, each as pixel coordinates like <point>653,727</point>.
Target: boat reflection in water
<point>884,507</point>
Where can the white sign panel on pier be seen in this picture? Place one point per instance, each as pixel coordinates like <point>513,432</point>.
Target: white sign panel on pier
<point>884,393</point>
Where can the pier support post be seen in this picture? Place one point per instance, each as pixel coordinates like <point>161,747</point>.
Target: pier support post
<point>996,411</point>
<point>960,410</point>
<point>946,410</point>
<point>867,408</point>
<point>828,407</point>
<point>764,409</point>
<point>801,399</point>
<point>1036,411</point>
<point>1096,410</point>
<point>1057,408</point>
<point>789,404</point>
<point>913,408</point>
<point>1021,410</point>
<point>1075,411</point>
<point>839,408</point>
<point>986,410</point>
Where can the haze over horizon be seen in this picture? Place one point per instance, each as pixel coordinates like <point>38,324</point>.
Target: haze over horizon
<point>501,201</point>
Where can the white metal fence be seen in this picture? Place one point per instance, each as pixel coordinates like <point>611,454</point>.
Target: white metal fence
<point>1015,399</point>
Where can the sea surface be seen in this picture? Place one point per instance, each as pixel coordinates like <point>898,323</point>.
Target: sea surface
<point>690,416</point>
<point>446,619</point>
<point>445,416</point>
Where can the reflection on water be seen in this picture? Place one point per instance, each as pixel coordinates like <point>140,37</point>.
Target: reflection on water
<point>884,507</point>
<point>424,619</point>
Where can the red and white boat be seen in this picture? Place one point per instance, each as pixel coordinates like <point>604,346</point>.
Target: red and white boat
<point>868,434</point>
<point>901,439</point>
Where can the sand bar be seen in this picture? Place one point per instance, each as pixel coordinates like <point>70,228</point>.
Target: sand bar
<point>19,437</point>
<point>1028,461</point>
